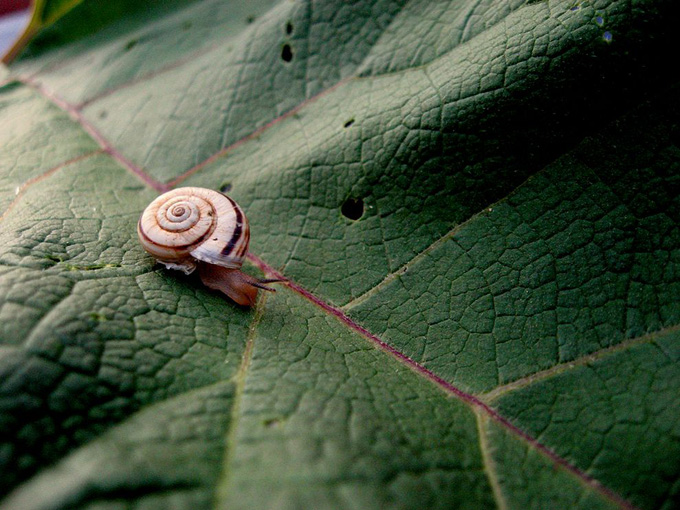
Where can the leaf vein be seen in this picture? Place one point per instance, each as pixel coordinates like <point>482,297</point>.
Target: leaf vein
<point>474,402</point>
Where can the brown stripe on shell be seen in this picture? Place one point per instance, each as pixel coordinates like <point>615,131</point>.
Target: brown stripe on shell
<point>244,246</point>
<point>236,236</point>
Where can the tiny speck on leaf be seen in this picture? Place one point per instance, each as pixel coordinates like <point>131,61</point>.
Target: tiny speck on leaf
<point>103,114</point>
<point>272,422</point>
<point>348,123</point>
<point>225,187</point>
<point>250,19</point>
<point>289,28</point>
<point>131,44</point>
<point>353,208</point>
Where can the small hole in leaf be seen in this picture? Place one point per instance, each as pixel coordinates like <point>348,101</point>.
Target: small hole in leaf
<point>289,28</point>
<point>353,208</point>
<point>287,53</point>
<point>131,44</point>
<point>348,123</point>
<point>225,187</point>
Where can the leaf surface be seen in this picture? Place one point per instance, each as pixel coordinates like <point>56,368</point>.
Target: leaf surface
<point>476,206</point>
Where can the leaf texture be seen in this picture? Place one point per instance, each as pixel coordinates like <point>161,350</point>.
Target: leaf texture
<point>476,206</point>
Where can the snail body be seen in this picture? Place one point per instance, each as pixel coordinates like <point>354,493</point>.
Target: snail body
<point>190,228</point>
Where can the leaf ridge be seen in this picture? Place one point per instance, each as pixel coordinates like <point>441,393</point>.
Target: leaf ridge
<point>474,402</point>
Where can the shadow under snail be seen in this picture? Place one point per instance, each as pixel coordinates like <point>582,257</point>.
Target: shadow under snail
<point>191,229</point>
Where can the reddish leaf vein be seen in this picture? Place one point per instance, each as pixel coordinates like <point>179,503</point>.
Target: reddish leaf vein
<point>469,399</point>
<point>254,134</point>
<point>106,146</point>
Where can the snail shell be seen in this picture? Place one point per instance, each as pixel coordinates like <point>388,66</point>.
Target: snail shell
<point>193,227</point>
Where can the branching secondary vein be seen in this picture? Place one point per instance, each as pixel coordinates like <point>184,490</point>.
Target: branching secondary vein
<point>474,402</point>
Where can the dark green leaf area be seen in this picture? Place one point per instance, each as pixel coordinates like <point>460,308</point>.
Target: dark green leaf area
<point>168,455</point>
<point>112,346</point>
<point>428,148</point>
<point>225,65</point>
<point>78,218</point>
<point>237,72</point>
<point>528,479</point>
<point>615,417</point>
<point>90,332</point>
<point>26,297</point>
<point>144,39</point>
<point>328,421</point>
<point>580,257</point>
<point>104,26</point>
<point>35,137</point>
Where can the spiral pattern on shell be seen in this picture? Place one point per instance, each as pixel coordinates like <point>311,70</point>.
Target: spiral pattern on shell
<point>188,224</point>
<point>179,214</point>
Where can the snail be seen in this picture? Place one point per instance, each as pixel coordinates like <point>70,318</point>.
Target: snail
<point>200,229</point>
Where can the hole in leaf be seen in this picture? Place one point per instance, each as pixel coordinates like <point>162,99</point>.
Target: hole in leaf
<point>289,28</point>
<point>353,208</point>
<point>348,123</point>
<point>287,53</point>
<point>225,187</point>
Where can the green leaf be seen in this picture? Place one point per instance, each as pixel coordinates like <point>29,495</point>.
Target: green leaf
<point>476,206</point>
